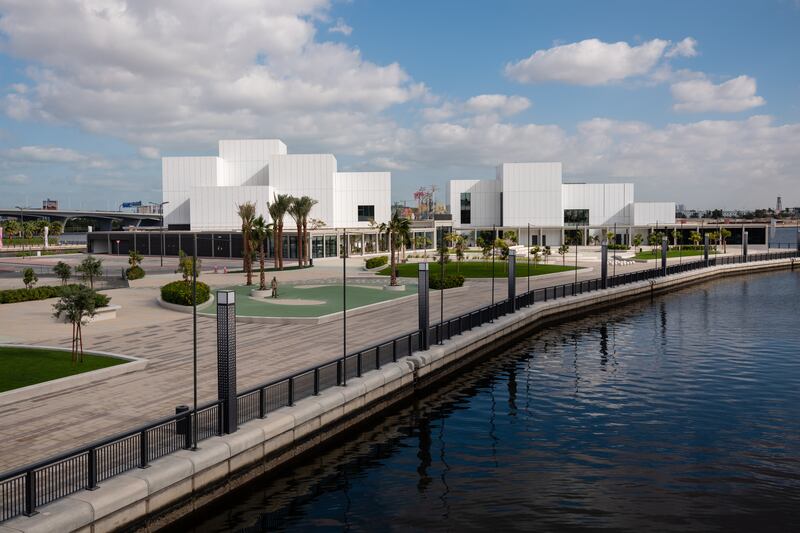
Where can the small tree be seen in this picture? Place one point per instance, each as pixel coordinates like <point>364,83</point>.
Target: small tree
<point>547,252</point>
<point>611,238</point>
<point>695,237</point>
<point>562,251</point>
<point>56,230</point>
<point>63,271</point>
<point>29,278</point>
<point>510,236</point>
<point>89,269</point>
<point>637,242</point>
<point>460,245</point>
<point>77,305</point>
<point>535,252</point>
<point>134,258</point>
<point>186,265</point>
<point>485,246</point>
<point>676,237</point>
<point>724,234</point>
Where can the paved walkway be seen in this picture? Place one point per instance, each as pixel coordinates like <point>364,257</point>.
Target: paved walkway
<point>34,429</point>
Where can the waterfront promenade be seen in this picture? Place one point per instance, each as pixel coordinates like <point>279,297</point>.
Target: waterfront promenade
<point>35,429</point>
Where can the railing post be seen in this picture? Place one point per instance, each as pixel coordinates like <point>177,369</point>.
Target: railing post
<point>423,291</point>
<point>226,358</point>
<point>394,350</point>
<point>30,493</point>
<point>358,364</point>
<point>143,450</point>
<point>377,357</point>
<point>262,402</point>
<point>512,281</point>
<point>91,474</point>
<point>316,381</point>
<point>604,264</point>
<point>291,391</point>
<point>339,372</point>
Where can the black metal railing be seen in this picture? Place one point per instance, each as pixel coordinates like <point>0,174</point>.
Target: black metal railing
<point>25,489</point>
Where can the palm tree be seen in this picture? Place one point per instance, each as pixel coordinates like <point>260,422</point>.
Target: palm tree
<point>695,237</point>
<point>724,233</point>
<point>398,230</point>
<point>260,232</point>
<point>307,203</point>
<point>277,210</point>
<point>247,212</point>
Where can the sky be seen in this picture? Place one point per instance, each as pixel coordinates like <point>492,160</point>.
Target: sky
<point>693,102</point>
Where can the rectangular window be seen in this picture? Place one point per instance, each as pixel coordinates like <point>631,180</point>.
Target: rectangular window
<point>366,213</point>
<point>576,216</point>
<point>466,208</point>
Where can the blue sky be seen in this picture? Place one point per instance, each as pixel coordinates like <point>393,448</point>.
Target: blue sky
<point>697,102</point>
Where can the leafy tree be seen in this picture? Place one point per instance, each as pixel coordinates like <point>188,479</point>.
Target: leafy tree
<point>12,227</point>
<point>460,245</point>
<point>535,252</point>
<point>89,269</point>
<point>510,236</point>
<point>637,241</point>
<point>29,278</point>
<point>186,266</point>
<point>56,229</point>
<point>77,305</point>
<point>725,235</point>
<point>259,233</point>
<point>398,230</point>
<point>654,240</point>
<point>63,271</point>
<point>485,246</point>
<point>562,251</point>
<point>277,210</point>
<point>247,214</point>
<point>610,237</point>
<point>443,253</point>
<point>695,237</point>
<point>547,252</point>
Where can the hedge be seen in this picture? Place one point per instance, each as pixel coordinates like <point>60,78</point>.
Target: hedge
<point>135,272</point>
<point>451,281</point>
<point>44,292</point>
<point>375,262</point>
<point>618,247</point>
<point>180,292</point>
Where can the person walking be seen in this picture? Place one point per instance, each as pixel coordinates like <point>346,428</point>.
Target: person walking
<point>274,286</point>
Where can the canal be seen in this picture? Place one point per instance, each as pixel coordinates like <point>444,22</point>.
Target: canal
<point>676,414</point>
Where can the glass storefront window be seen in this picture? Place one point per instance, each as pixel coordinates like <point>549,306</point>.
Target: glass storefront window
<point>317,246</point>
<point>330,246</point>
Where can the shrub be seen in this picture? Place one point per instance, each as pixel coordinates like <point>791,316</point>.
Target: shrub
<point>135,272</point>
<point>101,300</point>
<point>180,292</point>
<point>375,262</point>
<point>29,278</point>
<point>618,247</point>
<point>42,293</point>
<point>450,281</point>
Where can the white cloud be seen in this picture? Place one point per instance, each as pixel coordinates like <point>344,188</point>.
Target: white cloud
<point>497,103</point>
<point>16,179</point>
<point>685,48</point>
<point>341,27</point>
<point>699,95</point>
<point>588,62</point>
<point>184,73</point>
<point>45,154</point>
<point>149,152</point>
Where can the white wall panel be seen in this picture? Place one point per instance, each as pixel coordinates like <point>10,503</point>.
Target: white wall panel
<point>531,194</point>
<point>646,213</point>
<point>351,189</point>
<point>306,174</point>
<point>608,203</point>
<point>214,208</point>
<point>178,176</point>
<point>484,200</point>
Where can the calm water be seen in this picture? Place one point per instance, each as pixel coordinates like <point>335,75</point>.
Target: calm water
<point>678,414</point>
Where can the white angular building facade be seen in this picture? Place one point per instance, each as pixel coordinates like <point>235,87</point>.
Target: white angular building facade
<point>534,194</point>
<point>203,192</point>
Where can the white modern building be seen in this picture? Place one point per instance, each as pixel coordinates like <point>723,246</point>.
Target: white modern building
<point>203,192</point>
<point>534,194</point>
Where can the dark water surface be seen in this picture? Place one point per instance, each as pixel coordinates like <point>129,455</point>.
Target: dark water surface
<point>678,414</point>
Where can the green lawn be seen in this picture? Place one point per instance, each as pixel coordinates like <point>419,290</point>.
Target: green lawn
<point>672,252</point>
<point>27,366</point>
<point>478,269</point>
<point>331,295</point>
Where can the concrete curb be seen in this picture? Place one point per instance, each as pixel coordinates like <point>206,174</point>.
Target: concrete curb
<point>184,308</point>
<point>57,385</point>
<point>186,480</point>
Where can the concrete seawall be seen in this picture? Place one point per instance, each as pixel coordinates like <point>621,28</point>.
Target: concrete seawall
<point>176,485</point>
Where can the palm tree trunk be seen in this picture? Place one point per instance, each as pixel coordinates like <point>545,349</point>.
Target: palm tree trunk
<point>80,338</point>
<point>393,278</point>
<point>74,352</point>
<point>300,244</point>
<point>307,243</point>
<point>262,281</point>
<point>248,256</point>
<point>279,247</point>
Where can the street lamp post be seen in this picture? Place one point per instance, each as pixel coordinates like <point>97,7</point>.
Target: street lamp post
<point>161,212</point>
<point>494,232</point>
<point>344,308</point>
<point>194,338</point>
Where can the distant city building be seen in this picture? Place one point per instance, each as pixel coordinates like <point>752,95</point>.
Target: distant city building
<point>50,204</point>
<point>778,205</point>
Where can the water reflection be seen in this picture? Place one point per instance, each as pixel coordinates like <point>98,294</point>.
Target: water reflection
<point>688,423</point>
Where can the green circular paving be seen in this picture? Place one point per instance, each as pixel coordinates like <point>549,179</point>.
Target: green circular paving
<point>310,300</point>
